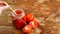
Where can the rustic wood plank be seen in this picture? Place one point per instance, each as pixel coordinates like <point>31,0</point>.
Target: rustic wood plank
<point>40,8</point>
<point>9,30</point>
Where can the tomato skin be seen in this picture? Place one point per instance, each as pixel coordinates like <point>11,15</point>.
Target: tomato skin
<point>27,29</point>
<point>29,17</point>
<point>33,24</point>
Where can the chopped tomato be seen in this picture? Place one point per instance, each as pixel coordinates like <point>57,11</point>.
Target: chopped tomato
<point>27,29</point>
<point>33,24</point>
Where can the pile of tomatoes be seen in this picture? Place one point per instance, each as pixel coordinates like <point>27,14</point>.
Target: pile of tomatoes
<point>26,23</point>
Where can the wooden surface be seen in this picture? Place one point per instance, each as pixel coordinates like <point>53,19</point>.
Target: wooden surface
<point>46,12</point>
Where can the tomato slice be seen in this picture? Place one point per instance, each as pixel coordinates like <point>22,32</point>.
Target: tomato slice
<point>27,29</point>
<point>33,24</point>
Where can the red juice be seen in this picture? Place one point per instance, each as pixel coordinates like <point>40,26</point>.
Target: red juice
<point>18,21</point>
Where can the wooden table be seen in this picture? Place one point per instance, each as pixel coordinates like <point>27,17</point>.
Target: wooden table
<point>47,14</point>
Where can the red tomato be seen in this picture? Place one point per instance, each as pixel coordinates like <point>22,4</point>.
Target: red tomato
<point>27,29</point>
<point>29,17</point>
<point>33,24</point>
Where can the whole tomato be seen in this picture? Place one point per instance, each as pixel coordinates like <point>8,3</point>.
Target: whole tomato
<point>29,17</point>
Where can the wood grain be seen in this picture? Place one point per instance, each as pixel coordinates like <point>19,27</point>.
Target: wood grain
<point>46,12</point>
